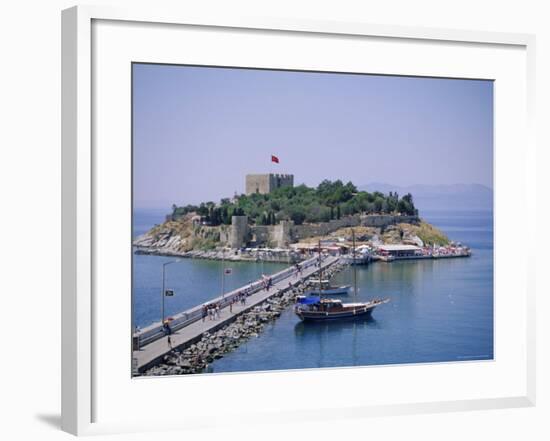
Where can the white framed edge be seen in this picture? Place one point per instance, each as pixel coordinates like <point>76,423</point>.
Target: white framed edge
<point>77,200</point>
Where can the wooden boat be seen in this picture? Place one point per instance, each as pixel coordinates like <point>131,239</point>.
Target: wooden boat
<point>356,258</point>
<point>331,290</point>
<point>317,308</point>
<point>324,287</point>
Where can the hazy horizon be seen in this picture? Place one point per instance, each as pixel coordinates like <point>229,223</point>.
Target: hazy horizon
<point>384,187</point>
<point>198,131</point>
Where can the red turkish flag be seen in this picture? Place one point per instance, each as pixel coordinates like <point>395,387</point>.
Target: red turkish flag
<point>274,159</point>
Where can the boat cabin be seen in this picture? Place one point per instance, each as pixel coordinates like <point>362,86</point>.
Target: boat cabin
<point>315,303</point>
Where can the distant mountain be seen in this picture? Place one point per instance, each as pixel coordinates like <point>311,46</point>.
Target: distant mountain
<point>441,197</point>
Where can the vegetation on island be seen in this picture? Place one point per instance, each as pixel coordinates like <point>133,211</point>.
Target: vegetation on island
<point>429,234</point>
<point>301,204</point>
<point>392,234</point>
<point>201,227</point>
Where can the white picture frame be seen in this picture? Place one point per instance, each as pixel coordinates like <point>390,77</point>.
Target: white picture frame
<point>80,201</point>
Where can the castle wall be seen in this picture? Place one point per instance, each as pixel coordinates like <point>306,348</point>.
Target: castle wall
<point>299,232</point>
<point>266,183</point>
<point>281,234</point>
<point>257,184</point>
<point>225,234</point>
<point>261,234</point>
<point>384,220</point>
<point>285,233</point>
<point>238,235</point>
<point>278,181</point>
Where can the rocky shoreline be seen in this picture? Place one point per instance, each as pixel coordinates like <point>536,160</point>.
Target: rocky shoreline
<point>280,256</point>
<point>212,346</point>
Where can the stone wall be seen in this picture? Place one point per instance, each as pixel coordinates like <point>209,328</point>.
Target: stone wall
<point>279,180</point>
<point>257,184</point>
<point>281,234</point>
<point>266,183</point>
<point>225,234</point>
<point>239,234</point>
<point>384,220</point>
<point>260,234</point>
<point>278,236</point>
<point>285,233</point>
<point>299,232</point>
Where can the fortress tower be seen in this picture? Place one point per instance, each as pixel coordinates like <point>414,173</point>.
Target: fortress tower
<point>266,183</point>
<point>238,233</point>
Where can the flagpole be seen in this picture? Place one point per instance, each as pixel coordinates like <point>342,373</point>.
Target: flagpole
<point>274,160</point>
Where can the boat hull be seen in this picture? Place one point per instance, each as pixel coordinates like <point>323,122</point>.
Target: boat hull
<point>338,290</point>
<point>346,260</point>
<point>324,315</point>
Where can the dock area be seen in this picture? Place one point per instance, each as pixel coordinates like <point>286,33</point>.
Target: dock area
<point>151,344</point>
<point>392,252</point>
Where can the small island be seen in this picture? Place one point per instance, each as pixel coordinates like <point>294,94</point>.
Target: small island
<point>288,220</point>
<point>279,222</point>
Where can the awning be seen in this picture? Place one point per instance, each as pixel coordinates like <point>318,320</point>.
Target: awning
<point>309,300</point>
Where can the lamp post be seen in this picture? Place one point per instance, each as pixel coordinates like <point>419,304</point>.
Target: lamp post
<point>163,293</point>
<point>223,273</point>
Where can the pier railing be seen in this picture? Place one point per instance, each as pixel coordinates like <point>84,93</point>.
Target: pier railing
<point>156,330</point>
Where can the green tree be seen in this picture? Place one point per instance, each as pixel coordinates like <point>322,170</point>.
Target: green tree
<point>329,200</point>
<point>297,215</point>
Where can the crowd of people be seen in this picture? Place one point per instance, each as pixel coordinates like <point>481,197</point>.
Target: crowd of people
<point>212,310</point>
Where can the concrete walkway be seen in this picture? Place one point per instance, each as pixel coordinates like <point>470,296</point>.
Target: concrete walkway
<point>151,354</point>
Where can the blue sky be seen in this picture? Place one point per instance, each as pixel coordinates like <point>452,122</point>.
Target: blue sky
<point>198,131</point>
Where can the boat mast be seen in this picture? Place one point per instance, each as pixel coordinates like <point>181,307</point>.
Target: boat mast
<point>320,272</point>
<point>354,265</point>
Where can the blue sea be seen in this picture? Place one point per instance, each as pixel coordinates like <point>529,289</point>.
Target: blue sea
<point>440,310</point>
<point>194,281</point>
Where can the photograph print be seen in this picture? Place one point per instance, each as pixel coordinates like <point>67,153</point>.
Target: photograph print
<point>301,220</point>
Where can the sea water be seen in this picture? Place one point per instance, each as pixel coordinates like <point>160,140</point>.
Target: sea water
<point>440,310</point>
<point>194,281</point>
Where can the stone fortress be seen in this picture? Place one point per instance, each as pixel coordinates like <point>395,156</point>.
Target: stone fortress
<point>240,234</point>
<point>166,239</point>
<point>267,182</point>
